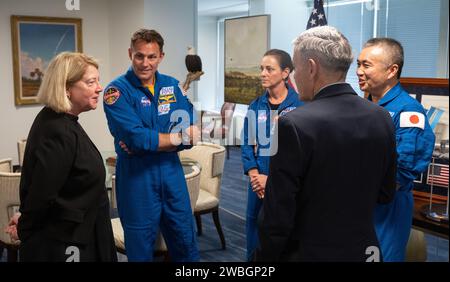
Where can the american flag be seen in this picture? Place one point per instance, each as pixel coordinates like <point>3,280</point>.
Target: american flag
<point>317,17</point>
<point>438,175</point>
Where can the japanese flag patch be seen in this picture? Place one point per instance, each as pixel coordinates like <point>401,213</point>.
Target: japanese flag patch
<point>111,95</point>
<point>412,119</point>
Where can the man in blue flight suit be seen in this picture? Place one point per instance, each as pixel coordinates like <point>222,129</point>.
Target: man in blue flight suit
<point>379,67</point>
<point>278,99</point>
<point>150,120</point>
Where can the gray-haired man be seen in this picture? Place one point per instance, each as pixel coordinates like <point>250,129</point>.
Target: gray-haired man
<point>335,162</point>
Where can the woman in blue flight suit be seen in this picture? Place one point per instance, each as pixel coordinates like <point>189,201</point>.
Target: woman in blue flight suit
<point>259,126</point>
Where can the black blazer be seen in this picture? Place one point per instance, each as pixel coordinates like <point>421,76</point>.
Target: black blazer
<point>62,186</point>
<point>336,160</point>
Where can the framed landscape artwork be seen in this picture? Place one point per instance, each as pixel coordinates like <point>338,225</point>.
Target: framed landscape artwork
<point>35,41</point>
<point>246,41</point>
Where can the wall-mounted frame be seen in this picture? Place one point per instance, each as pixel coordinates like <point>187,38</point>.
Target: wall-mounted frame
<point>431,92</point>
<point>35,41</point>
<point>246,41</point>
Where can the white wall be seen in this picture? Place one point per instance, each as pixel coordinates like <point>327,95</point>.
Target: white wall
<point>109,39</point>
<point>175,20</point>
<point>16,120</point>
<point>287,21</point>
<point>107,29</point>
<point>258,7</point>
<point>207,50</point>
<point>125,18</point>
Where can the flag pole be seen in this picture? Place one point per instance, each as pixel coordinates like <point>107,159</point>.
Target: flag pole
<point>432,184</point>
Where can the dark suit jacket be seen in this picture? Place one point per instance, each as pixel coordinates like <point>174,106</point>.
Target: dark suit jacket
<point>62,189</point>
<point>336,160</point>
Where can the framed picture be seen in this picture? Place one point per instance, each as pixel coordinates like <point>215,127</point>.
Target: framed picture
<point>246,41</point>
<point>35,41</point>
<point>433,94</point>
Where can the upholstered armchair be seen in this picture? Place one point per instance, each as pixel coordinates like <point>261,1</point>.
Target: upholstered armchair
<point>193,182</point>
<point>21,144</point>
<point>119,240</point>
<point>113,200</point>
<point>9,203</point>
<point>211,157</point>
<point>6,165</point>
<point>219,126</point>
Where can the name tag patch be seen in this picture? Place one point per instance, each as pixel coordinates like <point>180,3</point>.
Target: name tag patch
<point>167,95</point>
<point>166,90</point>
<point>163,109</point>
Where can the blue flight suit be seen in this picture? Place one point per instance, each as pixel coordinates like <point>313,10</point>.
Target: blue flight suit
<point>258,118</point>
<point>415,147</point>
<point>151,188</point>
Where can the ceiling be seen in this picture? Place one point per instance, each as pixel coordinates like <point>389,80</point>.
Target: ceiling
<point>222,8</point>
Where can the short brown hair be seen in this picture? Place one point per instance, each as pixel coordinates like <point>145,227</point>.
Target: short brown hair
<point>148,35</point>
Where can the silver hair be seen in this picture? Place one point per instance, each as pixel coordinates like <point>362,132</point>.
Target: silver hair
<point>326,45</point>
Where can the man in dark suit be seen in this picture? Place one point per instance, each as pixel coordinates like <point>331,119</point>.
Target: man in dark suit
<point>336,160</point>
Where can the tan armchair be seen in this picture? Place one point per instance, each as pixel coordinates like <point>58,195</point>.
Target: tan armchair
<point>218,128</point>
<point>193,183</point>
<point>6,165</point>
<point>9,203</point>
<point>119,240</point>
<point>21,144</point>
<point>113,200</point>
<point>119,237</point>
<point>211,157</point>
